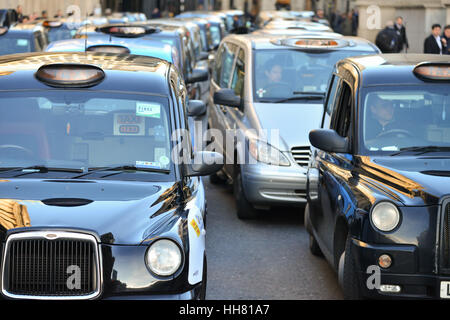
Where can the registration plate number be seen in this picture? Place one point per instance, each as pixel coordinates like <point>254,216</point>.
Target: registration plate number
<point>445,289</point>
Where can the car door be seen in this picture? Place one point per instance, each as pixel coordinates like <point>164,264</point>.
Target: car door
<point>233,117</point>
<point>335,169</point>
<point>222,74</point>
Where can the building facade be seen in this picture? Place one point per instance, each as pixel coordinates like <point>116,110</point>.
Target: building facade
<point>418,15</point>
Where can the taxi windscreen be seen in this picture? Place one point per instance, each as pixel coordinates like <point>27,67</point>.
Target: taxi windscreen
<point>405,117</point>
<point>10,44</point>
<point>62,33</point>
<point>80,129</point>
<point>286,73</point>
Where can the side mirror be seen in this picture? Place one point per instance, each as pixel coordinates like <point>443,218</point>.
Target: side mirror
<point>329,140</point>
<point>227,97</point>
<point>204,163</point>
<point>203,56</point>
<point>196,108</point>
<point>198,75</point>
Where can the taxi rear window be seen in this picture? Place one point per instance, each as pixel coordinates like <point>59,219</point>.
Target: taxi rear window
<point>10,44</point>
<point>85,130</point>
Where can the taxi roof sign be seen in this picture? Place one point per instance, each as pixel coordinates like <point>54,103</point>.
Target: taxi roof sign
<point>52,24</point>
<point>127,31</point>
<point>109,49</point>
<point>314,43</point>
<point>70,75</point>
<point>433,71</point>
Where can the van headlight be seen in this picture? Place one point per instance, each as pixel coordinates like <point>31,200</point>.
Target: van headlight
<point>264,152</point>
<point>163,257</point>
<point>385,216</point>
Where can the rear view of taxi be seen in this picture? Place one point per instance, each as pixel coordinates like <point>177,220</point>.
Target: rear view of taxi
<point>88,180</point>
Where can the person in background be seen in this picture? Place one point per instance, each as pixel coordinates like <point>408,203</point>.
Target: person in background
<point>19,12</point>
<point>156,14</point>
<point>401,31</point>
<point>347,24</point>
<point>336,21</point>
<point>44,15</point>
<point>387,39</point>
<point>59,14</point>
<point>433,43</point>
<point>318,16</point>
<point>355,22</point>
<point>446,39</point>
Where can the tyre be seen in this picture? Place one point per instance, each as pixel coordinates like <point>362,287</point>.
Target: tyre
<point>202,295</point>
<point>347,272</point>
<point>244,208</point>
<point>314,246</point>
<point>215,179</point>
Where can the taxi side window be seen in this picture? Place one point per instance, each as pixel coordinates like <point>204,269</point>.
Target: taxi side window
<point>224,64</point>
<point>239,74</point>
<point>334,91</point>
<point>343,115</point>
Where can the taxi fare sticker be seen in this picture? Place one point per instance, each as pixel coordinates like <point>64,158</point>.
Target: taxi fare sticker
<point>128,124</point>
<point>151,110</point>
<point>195,226</point>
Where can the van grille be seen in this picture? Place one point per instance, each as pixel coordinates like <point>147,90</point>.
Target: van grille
<point>301,155</point>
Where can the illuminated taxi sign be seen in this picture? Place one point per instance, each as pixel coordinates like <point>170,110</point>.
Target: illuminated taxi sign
<point>127,31</point>
<point>109,49</point>
<point>70,75</point>
<point>433,71</point>
<point>52,24</point>
<point>315,43</point>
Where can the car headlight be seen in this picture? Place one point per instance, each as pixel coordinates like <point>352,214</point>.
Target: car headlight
<point>385,216</point>
<point>163,257</point>
<point>265,153</point>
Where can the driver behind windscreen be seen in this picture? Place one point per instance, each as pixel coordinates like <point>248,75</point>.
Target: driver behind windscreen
<point>273,73</point>
<point>381,118</point>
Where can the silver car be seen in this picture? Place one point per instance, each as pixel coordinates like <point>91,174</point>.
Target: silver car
<point>267,93</point>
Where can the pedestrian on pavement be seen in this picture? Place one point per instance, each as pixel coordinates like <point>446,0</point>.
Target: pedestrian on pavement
<point>19,12</point>
<point>446,39</point>
<point>387,39</point>
<point>355,21</point>
<point>347,24</point>
<point>401,31</point>
<point>433,43</point>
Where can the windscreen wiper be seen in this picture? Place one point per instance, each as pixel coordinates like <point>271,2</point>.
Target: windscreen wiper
<point>38,168</point>
<point>299,96</point>
<point>422,149</point>
<point>122,168</point>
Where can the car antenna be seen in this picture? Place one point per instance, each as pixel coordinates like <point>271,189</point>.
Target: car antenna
<point>86,31</point>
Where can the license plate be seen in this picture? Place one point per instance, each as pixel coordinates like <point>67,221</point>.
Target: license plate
<point>445,289</point>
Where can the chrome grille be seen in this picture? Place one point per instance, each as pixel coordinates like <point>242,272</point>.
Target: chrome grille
<point>301,155</point>
<point>445,237</point>
<point>64,265</point>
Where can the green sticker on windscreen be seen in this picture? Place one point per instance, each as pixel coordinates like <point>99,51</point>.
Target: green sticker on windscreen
<point>152,110</point>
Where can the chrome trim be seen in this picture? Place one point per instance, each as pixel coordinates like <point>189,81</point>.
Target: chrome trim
<point>59,234</point>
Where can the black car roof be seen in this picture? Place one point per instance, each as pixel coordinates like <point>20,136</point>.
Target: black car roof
<point>386,69</point>
<point>126,73</point>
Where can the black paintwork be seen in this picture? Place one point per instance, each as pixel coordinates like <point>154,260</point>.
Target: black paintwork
<point>126,212</point>
<point>343,187</point>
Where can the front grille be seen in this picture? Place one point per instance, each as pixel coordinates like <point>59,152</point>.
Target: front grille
<point>301,155</point>
<point>445,237</point>
<point>36,265</point>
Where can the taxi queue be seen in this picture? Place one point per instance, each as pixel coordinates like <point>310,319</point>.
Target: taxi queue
<point>98,201</point>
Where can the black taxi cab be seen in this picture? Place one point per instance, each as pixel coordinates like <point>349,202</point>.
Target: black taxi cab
<point>378,179</point>
<point>22,38</point>
<point>96,201</point>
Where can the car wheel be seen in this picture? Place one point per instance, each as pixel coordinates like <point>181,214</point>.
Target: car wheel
<point>215,179</point>
<point>314,246</point>
<point>244,208</point>
<point>347,273</point>
<point>202,295</point>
